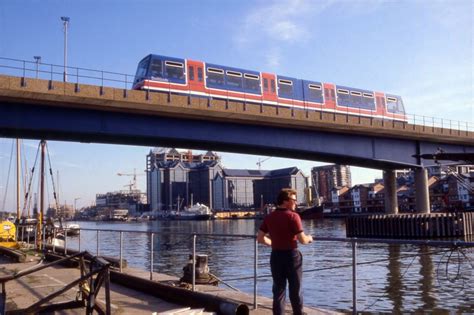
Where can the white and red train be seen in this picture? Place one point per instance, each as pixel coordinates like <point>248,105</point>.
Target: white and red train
<point>189,77</point>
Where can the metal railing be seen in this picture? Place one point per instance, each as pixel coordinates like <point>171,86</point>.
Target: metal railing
<point>353,242</point>
<point>52,72</point>
<point>87,292</point>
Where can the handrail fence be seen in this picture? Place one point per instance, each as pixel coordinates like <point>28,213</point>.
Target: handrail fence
<point>353,242</point>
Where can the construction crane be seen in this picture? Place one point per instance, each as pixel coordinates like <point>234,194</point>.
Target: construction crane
<point>133,184</point>
<point>260,161</point>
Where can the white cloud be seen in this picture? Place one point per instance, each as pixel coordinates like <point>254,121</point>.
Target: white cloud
<point>280,21</point>
<point>452,14</point>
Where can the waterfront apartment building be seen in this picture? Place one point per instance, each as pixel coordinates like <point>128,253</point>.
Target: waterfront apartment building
<point>132,200</point>
<point>266,189</point>
<point>326,178</point>
<point>246,189</point>
<point>454,192</point>
<point>177,179</point>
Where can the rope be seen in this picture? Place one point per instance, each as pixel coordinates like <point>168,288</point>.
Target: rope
<point>52,179</point>
<point>28,195</point>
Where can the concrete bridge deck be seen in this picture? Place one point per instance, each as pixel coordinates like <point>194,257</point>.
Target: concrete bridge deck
<point>71,95</point>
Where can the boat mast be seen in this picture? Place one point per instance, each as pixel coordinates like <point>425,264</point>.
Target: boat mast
<point>41,212</point>
<point>18,176</point>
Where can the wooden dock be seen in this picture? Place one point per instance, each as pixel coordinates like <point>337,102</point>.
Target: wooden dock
<point>426,225</point>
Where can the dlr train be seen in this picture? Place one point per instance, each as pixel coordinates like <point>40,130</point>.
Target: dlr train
<point>197,78</point>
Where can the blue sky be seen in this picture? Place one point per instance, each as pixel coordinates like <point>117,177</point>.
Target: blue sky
<point>421,50</point>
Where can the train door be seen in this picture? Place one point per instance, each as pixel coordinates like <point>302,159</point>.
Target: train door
<point>380,104</point>
<point>196,76</point>
<point>329,95</point>
<point>269,87</point>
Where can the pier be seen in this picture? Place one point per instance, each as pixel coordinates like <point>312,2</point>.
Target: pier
<point>134,297</point>
<point>409,226</point>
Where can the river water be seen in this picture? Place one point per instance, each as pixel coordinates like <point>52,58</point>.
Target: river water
<point>390,278</point>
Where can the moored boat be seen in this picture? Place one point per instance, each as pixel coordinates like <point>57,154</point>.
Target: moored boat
<point>195,212</point>
<point>309,213</point>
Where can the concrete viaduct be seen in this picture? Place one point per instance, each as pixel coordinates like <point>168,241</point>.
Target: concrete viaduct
<point>46,109</point>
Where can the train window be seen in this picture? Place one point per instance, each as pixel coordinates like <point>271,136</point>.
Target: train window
<point>265,84</point>
<point>252,82</point>
<point>234,79</point>
<point>174,64</point>
<point>234,74</point>
<point>355,93</point>
<point>215,76</point>
<point>251,76</point>
<point>286,82</point>
<point>369,95</point>
<point>214,70</point>
<point>156,69</point>
<point>341,91</point>
<point>272,86</point>
<point>315,92</point>
<point>191,73</point>
<point>174,70</point>
<point>285,87</point>
<point>200,76</point>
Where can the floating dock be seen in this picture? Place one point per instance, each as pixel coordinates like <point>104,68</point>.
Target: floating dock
<point>426,225</point>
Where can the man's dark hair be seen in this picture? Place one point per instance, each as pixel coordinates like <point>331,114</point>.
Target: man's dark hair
<point>284,195</point>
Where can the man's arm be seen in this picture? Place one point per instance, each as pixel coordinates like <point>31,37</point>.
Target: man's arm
<point>262,238</point>
<point>303,238</point>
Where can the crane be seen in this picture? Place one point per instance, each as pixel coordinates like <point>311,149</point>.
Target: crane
<point>133,184</point>
<point>260,161</point>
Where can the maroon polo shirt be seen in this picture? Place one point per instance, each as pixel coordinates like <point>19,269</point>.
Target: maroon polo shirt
<point>283,225</point>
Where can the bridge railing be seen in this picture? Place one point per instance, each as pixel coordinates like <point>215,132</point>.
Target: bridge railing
<point>46,71</point>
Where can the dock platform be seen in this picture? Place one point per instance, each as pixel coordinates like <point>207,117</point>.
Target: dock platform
<point>27,290</point>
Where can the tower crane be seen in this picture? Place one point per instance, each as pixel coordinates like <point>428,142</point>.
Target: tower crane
<point>133,184</point>
<point>260,161</point>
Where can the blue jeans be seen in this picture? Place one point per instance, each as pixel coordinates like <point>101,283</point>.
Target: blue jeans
<point>286,265</point>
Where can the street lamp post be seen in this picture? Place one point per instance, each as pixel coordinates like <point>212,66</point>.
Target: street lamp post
<point>38,61</point>
<point>65,20</point>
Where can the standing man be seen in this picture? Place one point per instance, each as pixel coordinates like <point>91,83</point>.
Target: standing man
<point>280,230</point>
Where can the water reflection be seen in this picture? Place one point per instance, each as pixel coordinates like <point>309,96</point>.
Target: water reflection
<point>395,279</point>
<point>426,279</point>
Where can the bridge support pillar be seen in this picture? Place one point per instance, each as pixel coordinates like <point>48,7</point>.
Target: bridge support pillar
<point>422,194</point>
<point>390,184</point>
